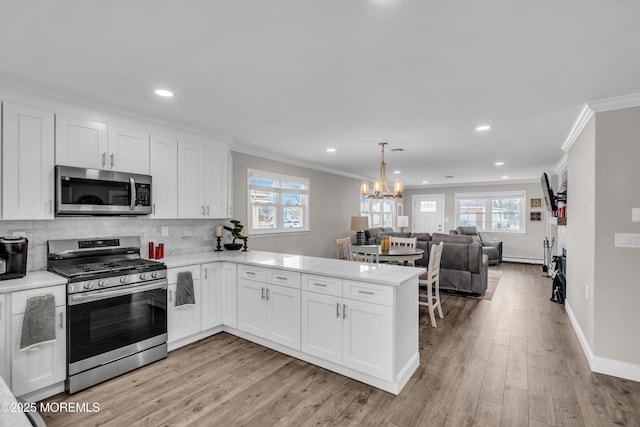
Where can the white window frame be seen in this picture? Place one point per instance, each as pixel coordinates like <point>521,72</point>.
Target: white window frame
<point>369,212</point>
<point>489,196</point>
<point>279,229</point>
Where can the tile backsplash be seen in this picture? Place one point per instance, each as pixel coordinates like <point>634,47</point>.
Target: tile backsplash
<point>184,235</point>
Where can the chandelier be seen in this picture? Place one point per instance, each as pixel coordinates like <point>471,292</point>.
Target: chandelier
<point>380,187</point>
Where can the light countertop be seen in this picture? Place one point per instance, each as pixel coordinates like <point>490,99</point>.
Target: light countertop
<point>33,280</point>
<point>385,274</point>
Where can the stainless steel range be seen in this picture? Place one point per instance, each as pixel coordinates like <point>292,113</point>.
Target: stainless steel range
<point>116,307</point>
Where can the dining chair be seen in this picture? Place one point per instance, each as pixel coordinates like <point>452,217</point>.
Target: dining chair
<point>409,242</point>
<point>431,281</point>
<point>406,242</point>
<point>364,253</point>
<point>342,248</point>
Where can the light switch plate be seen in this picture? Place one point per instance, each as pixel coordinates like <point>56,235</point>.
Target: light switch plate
<point>627,240</point>
<point>165,231</point>
<point>635,214</point>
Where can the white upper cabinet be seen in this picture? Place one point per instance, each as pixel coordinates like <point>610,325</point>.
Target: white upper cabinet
<point>81,143</point>
<point>27,162</point>
<point>164,170</point>
<point>96,145</point>
<point>203,180</point>
<point>128,150</point>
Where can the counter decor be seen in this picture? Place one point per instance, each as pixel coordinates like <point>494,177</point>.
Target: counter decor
<point>236,232</point>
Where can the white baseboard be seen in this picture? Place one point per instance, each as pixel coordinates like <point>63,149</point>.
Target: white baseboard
<point>599,364</point>
<point>522,260</point>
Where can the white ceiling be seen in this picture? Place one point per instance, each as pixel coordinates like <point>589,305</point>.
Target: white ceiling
<point>294,77</point>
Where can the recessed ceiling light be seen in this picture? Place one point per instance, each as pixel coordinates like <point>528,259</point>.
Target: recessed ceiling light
<point>396,172</point>
<point>505,177</point>
<point>425,182</point>
<point>499,163</point>
<point>331,150</point>
<point>483,127</point>
<point>164,92</point>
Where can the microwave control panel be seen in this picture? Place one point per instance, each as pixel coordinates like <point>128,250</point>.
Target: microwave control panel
<point>143,195</point>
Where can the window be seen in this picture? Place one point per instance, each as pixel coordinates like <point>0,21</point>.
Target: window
<point>277,203</point>
<point>494,212</point>
<point>380,211</point>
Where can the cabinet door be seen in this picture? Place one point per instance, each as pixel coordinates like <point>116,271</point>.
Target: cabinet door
<point>368,338</point>
<point>191,179</point>
<point>164,170</point>
<point>216,180</point>
<point>128,150</point>
<point>27,163</point>
<point>252,307</point>
<point>211,296</point>
<point>42,367</point>
<point>283,316</point>
<point>81,143</point>
<point>184,320</point>
<point>229,279</point>
<point>5,353</point>
<point>322,326</point>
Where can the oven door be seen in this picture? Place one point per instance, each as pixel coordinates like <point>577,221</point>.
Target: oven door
<point>107,325</point>
<point>81,191</point>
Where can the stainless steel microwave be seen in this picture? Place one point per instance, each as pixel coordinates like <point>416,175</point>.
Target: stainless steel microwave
<point>81,191</point>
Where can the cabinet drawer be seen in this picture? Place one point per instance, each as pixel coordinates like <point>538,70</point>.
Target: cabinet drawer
<point>172,273</point>
<point>322,284</point>
<point>252,273</point>
<point>284,278</point>
<point>368,292</point>
<point>19,299</point>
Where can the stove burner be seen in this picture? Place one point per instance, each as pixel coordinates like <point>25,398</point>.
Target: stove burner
<point>95,268</point>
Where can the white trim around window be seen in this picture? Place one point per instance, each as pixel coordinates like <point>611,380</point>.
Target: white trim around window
<point>276,203</point>
<point>493,212</point>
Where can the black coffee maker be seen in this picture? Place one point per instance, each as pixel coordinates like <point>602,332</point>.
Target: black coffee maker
<point>13,257</point>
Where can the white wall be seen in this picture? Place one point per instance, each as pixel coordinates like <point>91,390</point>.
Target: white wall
<point>524,247</point>
<point>334,200</point>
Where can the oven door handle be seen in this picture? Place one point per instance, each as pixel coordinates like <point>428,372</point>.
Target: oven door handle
<point>97,296</point>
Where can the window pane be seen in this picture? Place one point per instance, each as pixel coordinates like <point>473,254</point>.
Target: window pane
<point>293,217</point>
<point>259,196</point>
<point>376,213</point>
<point>264,217</point>
<point>364,207</point>
<point>263,182</point>
<point>506,214</point>
<point>294,185</point>
<point>387,217</point>
<point>471,212</point>
<point>292,199</point>
<point>427,206</point>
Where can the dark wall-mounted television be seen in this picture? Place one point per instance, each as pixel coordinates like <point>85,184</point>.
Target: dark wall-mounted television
<point>549,198</point>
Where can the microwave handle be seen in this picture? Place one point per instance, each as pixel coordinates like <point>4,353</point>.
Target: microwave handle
<point>132,202</point>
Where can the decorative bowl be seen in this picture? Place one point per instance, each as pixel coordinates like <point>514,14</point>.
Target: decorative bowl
<point>232,246</point>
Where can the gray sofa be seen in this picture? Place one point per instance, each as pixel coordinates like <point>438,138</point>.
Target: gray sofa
<point>463,266</point>
<point>492,249</point>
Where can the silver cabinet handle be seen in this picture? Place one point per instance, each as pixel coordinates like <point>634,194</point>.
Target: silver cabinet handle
<point>263,293</point>
<point>268,297</point>
<point>250,273</point>
<point>322,285</point>
<point>344,311</point>
<point>154,208</point>
<point>282,278</point>
<point>50,205</point>
<point>365,292</point>
<point>338,310</point>
<point>202,210</point>
<point>112,157</point>
<point>170,297</point>
<point>207,210</point>
<point>206,276</point>
<point>61,320</point>
<point>132,202</point>
<point>104,159</point>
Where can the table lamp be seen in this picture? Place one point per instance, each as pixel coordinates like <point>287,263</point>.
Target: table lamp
<point>403,221</point>
<point>359,224</point>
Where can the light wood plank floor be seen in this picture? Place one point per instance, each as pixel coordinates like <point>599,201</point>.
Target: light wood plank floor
<point>511,361</point>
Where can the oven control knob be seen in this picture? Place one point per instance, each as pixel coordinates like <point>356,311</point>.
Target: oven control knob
<point>88,285</point>
<point>102,283</point>
<point>124,279</point>
<point>144,276</point>
<point>154,275</point>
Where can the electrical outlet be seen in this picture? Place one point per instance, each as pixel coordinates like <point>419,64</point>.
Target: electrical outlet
<point>635,214</point>
<point>164,230</point>
<point>586,292</point>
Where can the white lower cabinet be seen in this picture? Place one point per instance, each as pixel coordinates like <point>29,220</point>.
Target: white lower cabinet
<point>269,311</point>
<point>184,320</point>
<point>353,333</point>
<point>211,295</point>
<point>228,278</point>
<point>45,365</point>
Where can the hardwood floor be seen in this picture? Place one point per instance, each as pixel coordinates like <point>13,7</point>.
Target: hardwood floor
<point>511,361</point>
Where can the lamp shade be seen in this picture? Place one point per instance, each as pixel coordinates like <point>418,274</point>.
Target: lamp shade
<point>403,221</point>
<point>359,223</point>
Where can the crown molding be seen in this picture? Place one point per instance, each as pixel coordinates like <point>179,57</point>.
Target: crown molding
<point>252,151</point>
<point>475,183</point>
<point>598,106</point>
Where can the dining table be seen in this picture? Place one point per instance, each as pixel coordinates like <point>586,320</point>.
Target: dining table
<point>403,254</point>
